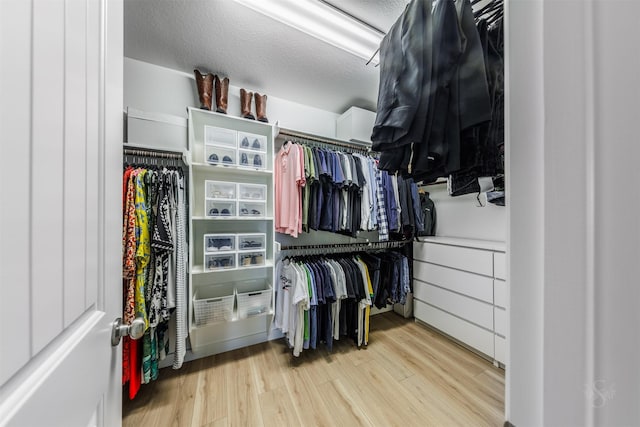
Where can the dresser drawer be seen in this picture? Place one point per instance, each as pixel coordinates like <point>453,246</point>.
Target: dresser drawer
<point>500,350</point>
<point>500,318</point>
<point>476,286</point>
<point>473,260</point>
<point>500,265</point>
<point>500,293</point>
<point>469,309</point>
<point>468,333</point>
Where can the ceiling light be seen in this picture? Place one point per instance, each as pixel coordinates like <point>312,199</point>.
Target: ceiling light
<point>323,22</point>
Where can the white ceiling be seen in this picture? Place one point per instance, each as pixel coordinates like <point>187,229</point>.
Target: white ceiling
<point>256,52</point>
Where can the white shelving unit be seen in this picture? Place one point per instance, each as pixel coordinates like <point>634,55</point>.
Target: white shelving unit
<point>231,167</point>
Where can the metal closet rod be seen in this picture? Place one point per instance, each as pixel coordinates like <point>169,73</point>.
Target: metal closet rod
<point>327,142</point>
<point>347,247</point>
<point>152,153</point>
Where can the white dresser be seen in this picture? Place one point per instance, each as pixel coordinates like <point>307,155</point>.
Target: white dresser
<point>460,288</point>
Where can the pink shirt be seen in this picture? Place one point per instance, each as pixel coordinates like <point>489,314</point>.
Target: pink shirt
<point>289,180</point>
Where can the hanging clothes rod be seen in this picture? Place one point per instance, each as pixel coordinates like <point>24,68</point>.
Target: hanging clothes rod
<point>152,153</point>
<point>327,142</point>
<point>344,247</point>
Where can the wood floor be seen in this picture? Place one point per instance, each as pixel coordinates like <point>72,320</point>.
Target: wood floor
<point>408,376</point>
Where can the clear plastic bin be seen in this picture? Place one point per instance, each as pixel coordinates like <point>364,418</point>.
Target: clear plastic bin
<point>213,303</point>
<point>253,298</point>
<point>214,262</point>
<point>219,242</point>
<point>257,192</point>
<point>252,142</point>
<point>251,159</point>
<point>251,242</point>
<point>220,137</point>
<point>220,155</point>
<point>252,209</point>
<point>220,190</point>
<point>219,209</point>
<point>251,259</point>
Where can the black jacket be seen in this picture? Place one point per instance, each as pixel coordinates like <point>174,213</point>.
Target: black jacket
<point>402,72</point>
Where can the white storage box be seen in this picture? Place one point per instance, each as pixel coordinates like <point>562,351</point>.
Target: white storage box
<point>252,209</point>
<point>220,155</point>
<point>251,259</point>
<point>219,261</point>
<point>252,242</point>
<point>220,190</point>
<point>220,137</point>
<point>250,141</point>
<point>213,303</point>
<point>219,209</point>
<point>251,159</point>
<point>219,243</point>
<point>253,297</point>
<point>252,192</point>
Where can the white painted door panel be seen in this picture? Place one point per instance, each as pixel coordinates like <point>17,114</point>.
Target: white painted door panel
<point>60,223</point>
<point>476,286</point>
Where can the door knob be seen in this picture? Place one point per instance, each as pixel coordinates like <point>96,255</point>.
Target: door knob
<point>134,331</point>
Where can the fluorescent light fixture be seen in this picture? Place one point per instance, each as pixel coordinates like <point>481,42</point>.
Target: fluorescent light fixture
<point>323,22</point>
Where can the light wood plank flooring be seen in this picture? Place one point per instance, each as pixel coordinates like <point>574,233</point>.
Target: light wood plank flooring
<point>408,376</point>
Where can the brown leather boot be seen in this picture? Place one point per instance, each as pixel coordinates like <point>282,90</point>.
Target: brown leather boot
<point>222,94</point>
<point>205,89</point>
<point>245,104</point>
<point>261,107</point>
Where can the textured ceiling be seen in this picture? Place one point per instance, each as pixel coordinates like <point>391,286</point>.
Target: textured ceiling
<point>255,51</point>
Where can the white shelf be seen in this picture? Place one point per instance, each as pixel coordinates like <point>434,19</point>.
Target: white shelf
<point>199,269</point>
<point>229,168</point>
<point>231,218</point>
<point>226,335</point>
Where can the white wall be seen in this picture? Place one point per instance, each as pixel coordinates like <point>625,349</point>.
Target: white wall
<point>462,217</point>
<point>157,89</point>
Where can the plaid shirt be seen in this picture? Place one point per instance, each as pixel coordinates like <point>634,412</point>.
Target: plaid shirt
<point>383,223</point>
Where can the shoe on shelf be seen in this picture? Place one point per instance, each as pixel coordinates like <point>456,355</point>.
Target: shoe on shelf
<point>244,160</point>
<point>213,158</point>
<point>245,142</point>
<point>256,144</point>
<point>257,160</point>
<point>214,212</point>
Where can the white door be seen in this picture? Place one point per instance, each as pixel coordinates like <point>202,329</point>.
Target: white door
<point>60,221</point>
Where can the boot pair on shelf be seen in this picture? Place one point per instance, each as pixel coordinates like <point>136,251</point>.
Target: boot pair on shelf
<point>261,105</point>
<point>205,84</point>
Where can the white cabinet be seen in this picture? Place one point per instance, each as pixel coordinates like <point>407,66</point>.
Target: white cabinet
<point>231,231</point>
<point>460,289</point>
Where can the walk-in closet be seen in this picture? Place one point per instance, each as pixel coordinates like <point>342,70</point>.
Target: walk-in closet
<point>311,212</point>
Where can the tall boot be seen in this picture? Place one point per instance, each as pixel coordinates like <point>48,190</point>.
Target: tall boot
<point>245,104</point>
<point>261,107</point>
<point>205,89</point>
<point>222,94</point>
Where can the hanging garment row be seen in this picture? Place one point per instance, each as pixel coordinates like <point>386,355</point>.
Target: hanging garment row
<point>446,125</point>
<point>322,189</point>
<point>322,299</point>
<point>154,247</point>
